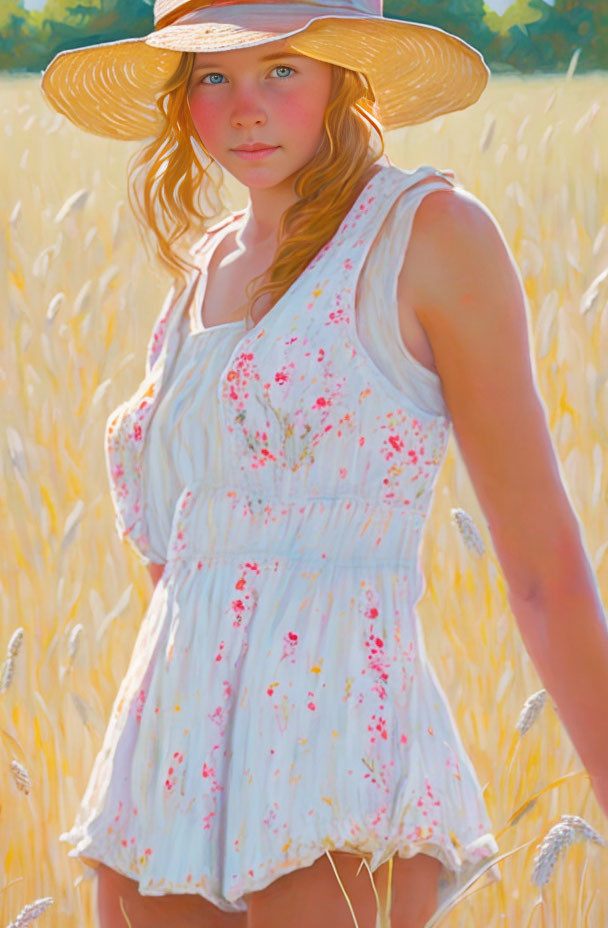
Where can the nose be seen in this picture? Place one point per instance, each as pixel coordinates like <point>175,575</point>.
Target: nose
<point>247,109</point>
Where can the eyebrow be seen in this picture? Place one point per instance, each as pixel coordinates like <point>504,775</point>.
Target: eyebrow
<point>272,57</point>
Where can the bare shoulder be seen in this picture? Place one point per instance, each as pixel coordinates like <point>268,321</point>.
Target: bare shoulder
<point>461,271</point>
<point>446,223</point>
<point>453,231</point>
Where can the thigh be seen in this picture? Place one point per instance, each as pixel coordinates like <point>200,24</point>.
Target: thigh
<point>179,910</point>
<point>415,883</point>
<point>312,895</point>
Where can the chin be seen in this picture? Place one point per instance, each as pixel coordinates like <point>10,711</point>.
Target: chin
<point>262,178</point>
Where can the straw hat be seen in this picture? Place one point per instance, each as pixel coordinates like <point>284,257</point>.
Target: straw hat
<point>416,71</point>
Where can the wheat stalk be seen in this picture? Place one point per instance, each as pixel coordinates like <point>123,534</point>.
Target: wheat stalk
<point>31,912</point>
<point>569,830</point>
<point>8,669</point>
<point>531,710</point>
<point>15,642</point>
<point>21,777</point>
<point>469,531</point>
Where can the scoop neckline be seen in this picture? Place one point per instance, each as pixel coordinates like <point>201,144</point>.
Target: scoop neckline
<point>240,323</point>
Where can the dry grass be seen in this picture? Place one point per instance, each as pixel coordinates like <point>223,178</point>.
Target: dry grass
<point>81,301</point>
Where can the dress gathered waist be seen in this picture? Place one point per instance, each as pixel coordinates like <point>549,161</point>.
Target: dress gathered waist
<point>231,522</point>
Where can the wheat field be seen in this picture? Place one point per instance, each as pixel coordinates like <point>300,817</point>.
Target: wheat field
<point>79,304</point>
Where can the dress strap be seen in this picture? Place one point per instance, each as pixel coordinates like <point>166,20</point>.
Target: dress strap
<point>377,313</point>
<point>202,245</point>
<point>390,185</point>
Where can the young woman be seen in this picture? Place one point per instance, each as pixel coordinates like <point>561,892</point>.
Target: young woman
<point>279,717</point>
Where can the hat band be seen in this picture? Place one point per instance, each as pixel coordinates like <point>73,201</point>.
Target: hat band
<point>186,12</point>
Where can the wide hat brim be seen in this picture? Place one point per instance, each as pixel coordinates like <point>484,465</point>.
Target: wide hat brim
<point>416,71</point>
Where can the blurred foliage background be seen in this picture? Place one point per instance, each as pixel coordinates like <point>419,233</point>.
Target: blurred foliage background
<point>526,36</point>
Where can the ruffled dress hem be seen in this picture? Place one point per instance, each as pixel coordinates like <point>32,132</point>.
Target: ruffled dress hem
<point>458,868</point>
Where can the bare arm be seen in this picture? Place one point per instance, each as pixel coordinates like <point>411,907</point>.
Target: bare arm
<point>156,572</point>
<point>468,296</point>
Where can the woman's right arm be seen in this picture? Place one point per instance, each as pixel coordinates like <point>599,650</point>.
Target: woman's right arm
<point>156,572</point>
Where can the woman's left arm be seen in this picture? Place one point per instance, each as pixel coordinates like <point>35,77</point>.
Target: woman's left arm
<point>470,300</point>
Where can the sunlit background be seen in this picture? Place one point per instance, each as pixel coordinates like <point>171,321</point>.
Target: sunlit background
<point>77,313</point>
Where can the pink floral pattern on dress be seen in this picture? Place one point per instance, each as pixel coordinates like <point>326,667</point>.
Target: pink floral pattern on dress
<point>125,433</point>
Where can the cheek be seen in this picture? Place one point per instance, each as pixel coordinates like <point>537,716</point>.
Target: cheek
<point>206,115</point>
<point>302,114</point>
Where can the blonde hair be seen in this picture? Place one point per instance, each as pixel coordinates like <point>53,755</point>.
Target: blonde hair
<point>167,181</point>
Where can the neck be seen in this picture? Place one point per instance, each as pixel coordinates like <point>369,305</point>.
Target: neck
<point>260,224</point>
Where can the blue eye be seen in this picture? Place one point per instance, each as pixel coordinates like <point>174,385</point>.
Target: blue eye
<point>281,67</point>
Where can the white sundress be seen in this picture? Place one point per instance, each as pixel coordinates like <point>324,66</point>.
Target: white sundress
<point>279,700</point>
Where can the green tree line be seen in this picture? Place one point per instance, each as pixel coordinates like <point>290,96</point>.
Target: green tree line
<point>529,36</point>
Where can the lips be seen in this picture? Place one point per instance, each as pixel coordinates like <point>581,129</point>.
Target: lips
<point>255,146</point>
